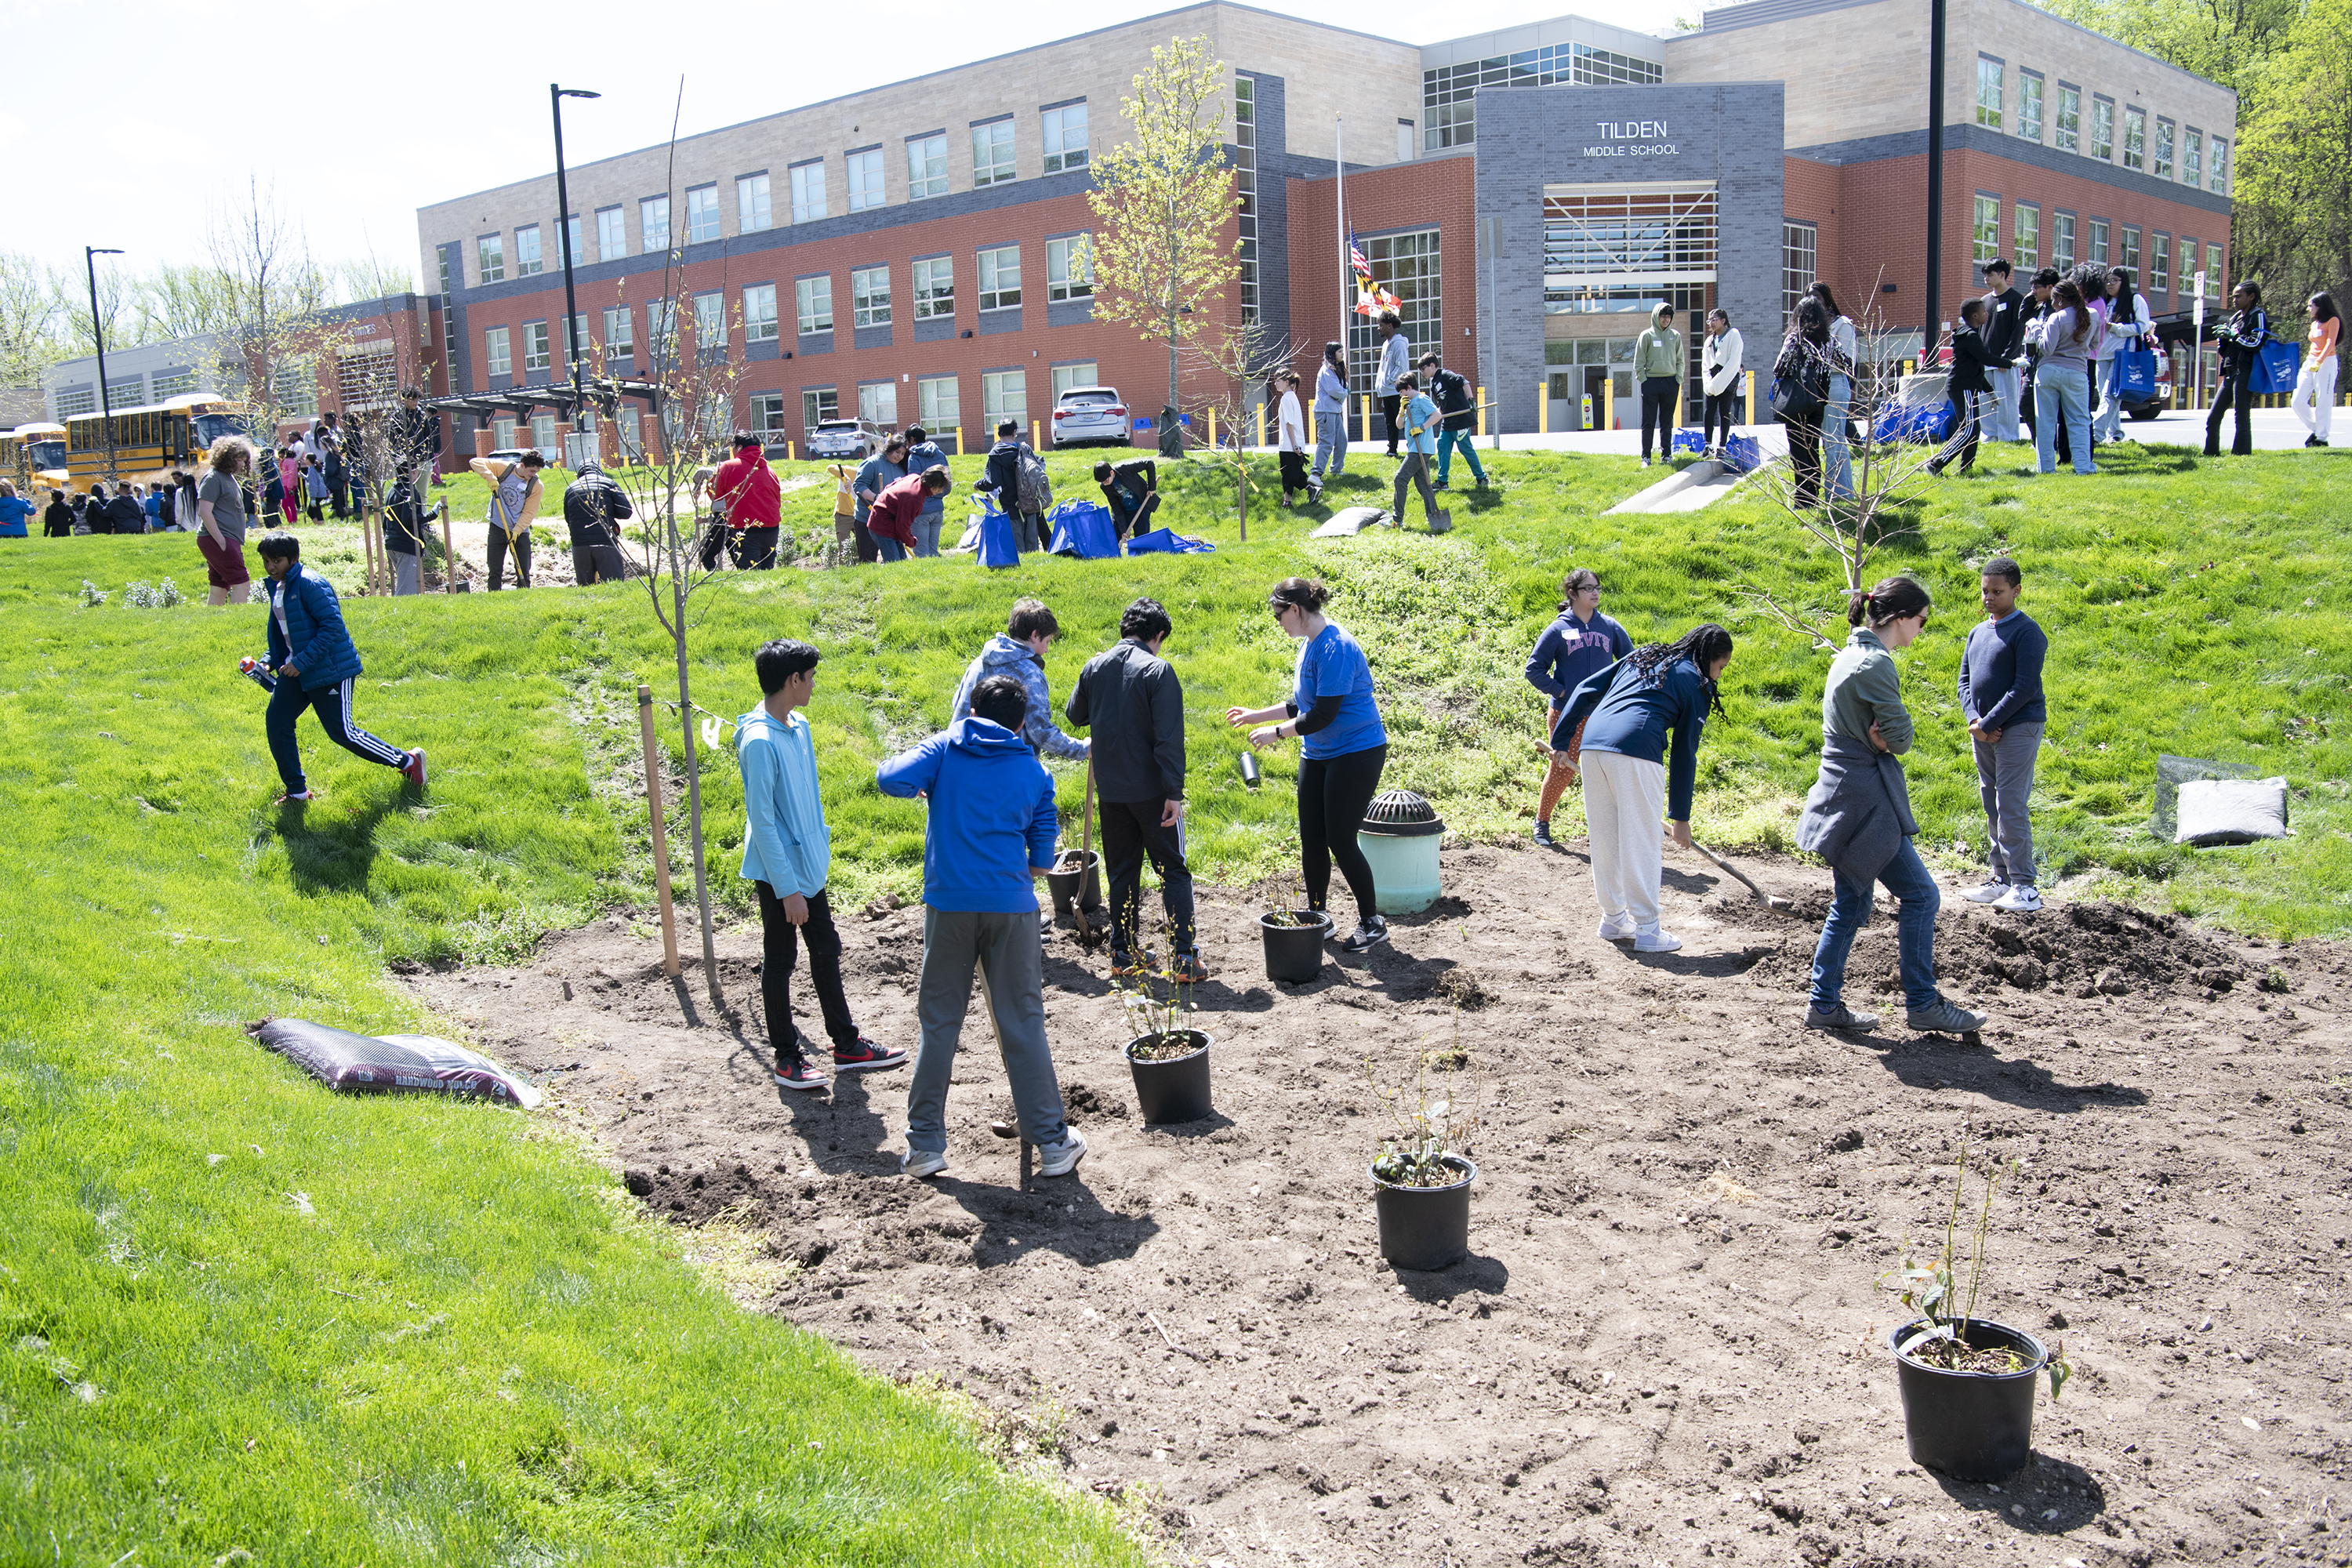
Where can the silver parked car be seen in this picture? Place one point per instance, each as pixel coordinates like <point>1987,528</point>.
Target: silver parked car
<point>859,438</point>
<point>1086,415</point>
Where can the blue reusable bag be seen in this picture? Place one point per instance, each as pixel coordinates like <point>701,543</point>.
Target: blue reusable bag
<point>1084,529</point>
<point>1169,542</point>
<point>1741,454</point>
<point>2275,368</point>
<point>999,546</point>
<point>2136,372</point>
<point>1691,441</point>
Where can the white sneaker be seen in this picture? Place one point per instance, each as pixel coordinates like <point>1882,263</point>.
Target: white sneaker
<point>1656,939</point>
<point>1618,928</point>
<point>2022,898</point>
<point>916,1163</point>
<point>1061,1159</point>
<point>1989,894</point>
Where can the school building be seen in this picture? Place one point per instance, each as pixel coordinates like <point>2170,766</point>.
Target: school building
<point>914,252</point>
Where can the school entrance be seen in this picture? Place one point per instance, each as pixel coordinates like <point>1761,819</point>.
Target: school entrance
<point>1612,253</point>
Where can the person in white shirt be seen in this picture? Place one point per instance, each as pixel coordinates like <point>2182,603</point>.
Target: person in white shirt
<point>2128,327</point>
<point>1290,442</point>
<point>1396,363</point>
<point>1719,363</point>
<point>1331,413</point>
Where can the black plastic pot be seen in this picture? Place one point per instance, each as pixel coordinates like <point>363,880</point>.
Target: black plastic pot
<point>1064,886</point>
<point>1425,1228</point>
<point>1294,953</point>
<point>1173,1090</point>
<point>1974,1425</point>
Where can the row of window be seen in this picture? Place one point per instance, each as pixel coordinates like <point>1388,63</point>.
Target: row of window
<point>1061,133</point>
<point>2182,153</point>
<point>128,392</point>
<point>1069,275</point>
<point>2072,239</point>
<point>1449,93</point>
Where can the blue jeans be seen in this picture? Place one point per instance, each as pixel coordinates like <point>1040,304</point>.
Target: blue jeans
<point>890,549</point>
<point>1915,931</point>
<point>2109,425</point>
<point>1447,439</point>
<point>1837,457</point>
<point>927,533</point>
<point>2062,392</point>
<point>1331,443</point>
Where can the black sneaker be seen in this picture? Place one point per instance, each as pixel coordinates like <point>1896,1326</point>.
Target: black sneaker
<point>1368,935</point>
<point>797,1075</point>
<point>867,1057</point>
<point>1543,836</point>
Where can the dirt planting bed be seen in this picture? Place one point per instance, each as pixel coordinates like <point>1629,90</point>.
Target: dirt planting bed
<point>1667,1342</point>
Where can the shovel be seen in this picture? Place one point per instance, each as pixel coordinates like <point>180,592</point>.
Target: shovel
<point>1770,901</point>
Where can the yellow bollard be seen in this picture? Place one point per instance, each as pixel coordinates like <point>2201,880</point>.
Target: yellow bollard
<point>1478,396</point>
<point>1033,436</point>
<point>1260,406</point>
<point>1752,398</point>
<point>1543,409</point>
<point>1608,403</point>
<point>1213,428</point>
<point>788,451</point>
<point>1364,434</point>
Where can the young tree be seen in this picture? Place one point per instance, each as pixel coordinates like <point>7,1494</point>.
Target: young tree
<point>32,313</point>
<point>1164,251</point>
<point>271,297</point>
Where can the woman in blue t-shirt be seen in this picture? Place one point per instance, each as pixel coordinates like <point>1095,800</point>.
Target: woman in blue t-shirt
<point>15,512</point>
<point>1332,712</point>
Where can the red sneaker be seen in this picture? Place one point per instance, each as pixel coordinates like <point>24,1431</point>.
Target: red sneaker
<point>867,1057</point>
<point>798,1075</point>
<point>414,771</point>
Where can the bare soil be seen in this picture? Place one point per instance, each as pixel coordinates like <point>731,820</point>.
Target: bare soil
<point>1668,1342</point>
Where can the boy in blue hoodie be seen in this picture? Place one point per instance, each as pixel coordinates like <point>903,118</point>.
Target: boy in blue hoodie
<point>788,856</point>
<point>991,833</point>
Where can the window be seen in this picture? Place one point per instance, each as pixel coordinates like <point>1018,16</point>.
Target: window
<point>575,332</point>
<point>865,179</point>
<point>534,345</point>
<point>991,154</point>
<point>1989,93</point>
<point>2192,157</point>
<point>1245,187</point>
<point>661,327</point>
<point>2159,263</point>
<point>1986,232</point>
<point>1405,264</point>
<point>527,261</point>
<point>2161,167</point>
<point>1406,144</point>
<point>818,405</point>
<point>297,389</point>
<point>752,212</point>
<point>502,434</point>
<point>542,432</point>
<point>178,384</point>
<point>937,405</point>
<point>878,401</point>
<point>627,430</point>
<point>1449,93</point>
<point>1800,263</point>
<point>2135,139</point>
<point>759,313</point>
<point>2220,185</point>
<point>2062,241</point>
<point>367,379</point>
<point>2213,272</point>
<point>1064,131</point>
<point>653,225</point>
<point>572,234</point>
<point>2099,240</point>
<point>2069,138</point>
<point>1069,268</point>
<point>869,295</point>
<point>2029,236</point>
<point>768,414</point>
<point>620,333</point>
<point>74,404</point>
<point>1067,376</point>
<point>126,390</point>
<point>813,297</point>
<point>808,192</point>
<point>2130,255</point>
<point>711,325</point>
<point>934,287</point>
<point>1003,394</point>
<point>927,166</point>
<point>491,252</point>
<point>701,215</point>
<point>611,235</point>
<point>2029,106</point>
<point>2188,281</point>
<point>495,358</point>
<point>1000,278</point>
<point>2103,128</point>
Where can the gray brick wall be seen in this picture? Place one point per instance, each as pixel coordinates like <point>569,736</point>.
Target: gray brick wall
<point>1531,137</point>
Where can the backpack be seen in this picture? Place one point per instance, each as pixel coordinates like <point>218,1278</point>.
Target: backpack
<point>1034,492</point>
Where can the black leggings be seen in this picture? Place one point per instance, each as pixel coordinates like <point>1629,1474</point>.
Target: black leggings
<point>1333,793</point>
<point>1723,409</point>
<point>1659,395</point>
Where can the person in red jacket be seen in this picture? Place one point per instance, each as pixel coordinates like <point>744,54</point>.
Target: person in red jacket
<point>750,500</point>
<point>892,520</point>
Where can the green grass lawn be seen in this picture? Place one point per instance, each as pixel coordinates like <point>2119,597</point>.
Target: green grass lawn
<point>396,1332</point>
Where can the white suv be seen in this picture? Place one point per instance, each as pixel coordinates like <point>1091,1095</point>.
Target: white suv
<point>845,439</point>
<point>1085,415</point>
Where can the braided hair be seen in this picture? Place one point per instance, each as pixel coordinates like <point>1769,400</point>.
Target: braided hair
<point>1703,645</point>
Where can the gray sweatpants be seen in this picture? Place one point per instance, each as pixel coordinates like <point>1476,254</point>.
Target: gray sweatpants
<point>1006,949</point>
<point>1330,443</point>
<point>404,574</point>
<point>2005,783</point>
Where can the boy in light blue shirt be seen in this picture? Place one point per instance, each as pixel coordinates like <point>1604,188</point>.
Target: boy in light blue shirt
<point>788,854</point>
<point>1417,415</point>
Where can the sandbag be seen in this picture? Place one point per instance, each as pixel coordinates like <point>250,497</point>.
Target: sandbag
<point>1351,522</point>
<point>1169,540</point>
<point>2230,811</point>
<point>392,1064</point>
<point>1084,529</point>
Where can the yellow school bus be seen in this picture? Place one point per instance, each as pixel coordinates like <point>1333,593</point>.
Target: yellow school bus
<point>152,440</point>
<point>34,456</point>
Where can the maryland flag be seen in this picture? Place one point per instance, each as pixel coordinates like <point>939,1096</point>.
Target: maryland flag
<point>1371,297</point>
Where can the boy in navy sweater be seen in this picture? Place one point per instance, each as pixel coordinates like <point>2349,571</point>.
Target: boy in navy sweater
<point>2001,696</point>
<point>1573,649</point>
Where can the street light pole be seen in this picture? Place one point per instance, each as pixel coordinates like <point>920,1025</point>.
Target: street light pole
<point>90,254</point>
<point>1931,329</point>
<point>572,347</point>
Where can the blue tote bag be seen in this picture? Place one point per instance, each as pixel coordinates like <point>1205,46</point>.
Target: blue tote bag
<point>999,547</point>
<point>1084,529</point>
<point>2275,367</point>
<point>2136,372</point>
<point>1169,540</point>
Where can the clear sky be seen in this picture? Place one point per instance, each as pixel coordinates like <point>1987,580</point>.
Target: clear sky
<point>357,115</point>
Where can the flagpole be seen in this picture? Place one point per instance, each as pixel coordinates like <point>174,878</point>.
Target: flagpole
<point>1339,206</point>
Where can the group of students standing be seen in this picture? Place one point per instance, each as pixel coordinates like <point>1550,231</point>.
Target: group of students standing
<point>1427,412</point>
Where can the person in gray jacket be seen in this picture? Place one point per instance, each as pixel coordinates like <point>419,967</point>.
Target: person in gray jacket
<point>1331,413</point>
<point>1858,818</point>
<point>1130,699</point>
<point>1020,652</point>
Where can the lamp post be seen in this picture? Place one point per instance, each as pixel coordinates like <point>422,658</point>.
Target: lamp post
<point>90,254</point>
<point>572,333</point>
<point>1931,329</point>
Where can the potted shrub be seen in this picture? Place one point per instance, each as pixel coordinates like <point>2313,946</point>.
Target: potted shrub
<point>1169,1060</point>
<point>1967,1381</point>
<point>1294,939</point>
<point>1423,1172</point>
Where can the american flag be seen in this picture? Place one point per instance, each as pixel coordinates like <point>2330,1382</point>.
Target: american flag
<point>1357,259</point>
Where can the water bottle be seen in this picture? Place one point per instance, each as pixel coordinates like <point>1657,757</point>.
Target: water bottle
<point>1249,769</point>
<point>252,670</point>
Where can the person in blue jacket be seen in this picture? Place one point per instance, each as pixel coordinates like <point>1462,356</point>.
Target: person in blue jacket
<point>991,835</point>
<point>1658,695</point>
<point>1573,649</point>
<point>788,856</point>
<point>316,665</point>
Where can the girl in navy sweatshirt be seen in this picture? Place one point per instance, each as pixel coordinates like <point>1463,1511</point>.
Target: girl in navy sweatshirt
<point>1573,649</point>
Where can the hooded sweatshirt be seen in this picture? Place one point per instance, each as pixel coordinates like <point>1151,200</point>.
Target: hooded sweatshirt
<point>1002,656</point>
<point>785,841</point>
<point>992,818</point>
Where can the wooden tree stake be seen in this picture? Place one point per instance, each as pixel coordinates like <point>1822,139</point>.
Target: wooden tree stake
<point>661,837</point>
